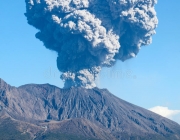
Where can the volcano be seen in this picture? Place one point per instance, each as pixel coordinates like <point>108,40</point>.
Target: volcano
<point>46,112</point>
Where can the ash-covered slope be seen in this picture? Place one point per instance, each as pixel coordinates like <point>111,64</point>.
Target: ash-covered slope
<point>96,108</point>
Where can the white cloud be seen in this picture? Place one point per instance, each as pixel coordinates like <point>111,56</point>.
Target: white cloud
<point>166,112</point>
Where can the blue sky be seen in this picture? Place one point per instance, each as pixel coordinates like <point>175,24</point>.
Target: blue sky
<point>149,80</point>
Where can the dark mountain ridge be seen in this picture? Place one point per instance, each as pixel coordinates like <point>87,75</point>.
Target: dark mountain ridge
<point>93,113</point>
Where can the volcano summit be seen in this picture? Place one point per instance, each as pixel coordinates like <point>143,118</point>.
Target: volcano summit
<point>46,111</point>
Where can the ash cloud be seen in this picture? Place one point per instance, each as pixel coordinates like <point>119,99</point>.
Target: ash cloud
<point>90,34</point>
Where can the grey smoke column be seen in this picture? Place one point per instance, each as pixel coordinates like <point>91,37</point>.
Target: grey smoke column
<point>91,34</point>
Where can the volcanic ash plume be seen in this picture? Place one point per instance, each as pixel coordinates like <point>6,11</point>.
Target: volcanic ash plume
<point>91,34</point>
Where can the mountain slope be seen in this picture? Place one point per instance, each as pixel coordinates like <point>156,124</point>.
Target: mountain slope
<point>96,109</point>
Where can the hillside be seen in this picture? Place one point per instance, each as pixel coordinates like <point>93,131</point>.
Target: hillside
<point>78,112</point>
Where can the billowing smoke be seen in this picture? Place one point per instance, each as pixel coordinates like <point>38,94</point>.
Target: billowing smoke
<point>91,34</point>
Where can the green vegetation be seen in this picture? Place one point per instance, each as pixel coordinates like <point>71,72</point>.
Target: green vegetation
<point>9,131</point>
<point>60,136</point>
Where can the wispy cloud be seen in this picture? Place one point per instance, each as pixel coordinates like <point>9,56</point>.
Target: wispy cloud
<point>166,112</point>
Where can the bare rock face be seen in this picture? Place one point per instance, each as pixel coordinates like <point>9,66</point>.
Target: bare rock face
<point>94,112</point>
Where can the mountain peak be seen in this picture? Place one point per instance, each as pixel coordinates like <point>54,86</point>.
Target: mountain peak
<point>3,84</point>
<point>2,81</point>
<point>98,107</point>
